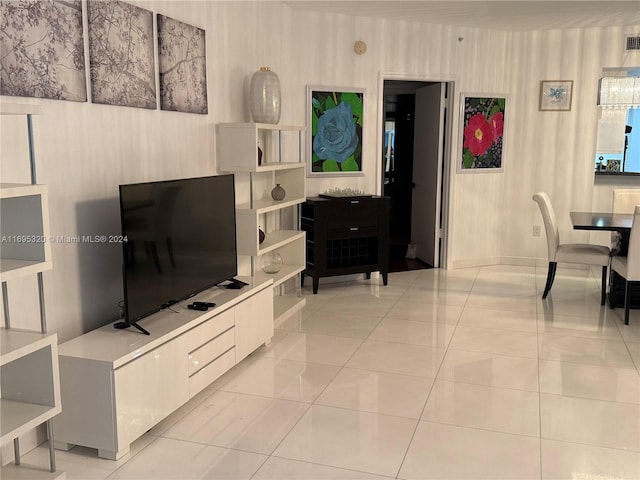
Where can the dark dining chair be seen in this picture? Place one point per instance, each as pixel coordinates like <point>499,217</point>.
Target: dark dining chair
<point>577,253</point>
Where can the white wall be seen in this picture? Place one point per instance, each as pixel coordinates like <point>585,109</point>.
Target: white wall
<point>553,150</point>
<point>85,150</point>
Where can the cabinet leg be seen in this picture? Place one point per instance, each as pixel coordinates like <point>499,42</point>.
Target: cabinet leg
<point>64,446</point>
<point>109,455</point>
<point>302,280</point>
<point>385,278</point>
<point>368,275</point>
<point>316,281</point>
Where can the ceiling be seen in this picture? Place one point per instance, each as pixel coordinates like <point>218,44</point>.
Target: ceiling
<point>508,15</point>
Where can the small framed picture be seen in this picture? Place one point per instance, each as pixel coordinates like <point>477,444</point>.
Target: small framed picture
<point>555,95</point>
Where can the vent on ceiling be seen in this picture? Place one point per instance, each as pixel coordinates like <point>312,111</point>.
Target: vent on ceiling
<point>633,42</point>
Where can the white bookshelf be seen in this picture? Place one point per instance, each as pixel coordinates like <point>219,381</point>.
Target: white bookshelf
<point>29,371</point>
<point>30,381</point>
<point>25,248</point>
<point>281,163</point>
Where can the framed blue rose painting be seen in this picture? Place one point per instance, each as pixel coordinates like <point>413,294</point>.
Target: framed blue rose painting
<point>334,138</point>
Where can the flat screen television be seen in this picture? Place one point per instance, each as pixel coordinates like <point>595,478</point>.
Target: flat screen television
<point>180,239</point>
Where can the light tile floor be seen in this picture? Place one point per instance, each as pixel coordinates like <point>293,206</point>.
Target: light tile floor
<point>442,374</point>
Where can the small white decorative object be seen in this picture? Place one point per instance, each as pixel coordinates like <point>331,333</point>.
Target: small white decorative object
<point>271,262</point>
<point>344,192</point>
<point>264,96</point>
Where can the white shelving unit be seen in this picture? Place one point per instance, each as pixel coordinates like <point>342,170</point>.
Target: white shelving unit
<point>30,389</point>
<point>281,163</point>
<point>29,372</point>
<point>25,248</point>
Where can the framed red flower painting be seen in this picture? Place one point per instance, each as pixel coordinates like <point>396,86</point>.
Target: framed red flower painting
<point>482,134</point>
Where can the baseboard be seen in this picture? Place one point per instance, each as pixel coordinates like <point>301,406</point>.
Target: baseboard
<point>524,261</point>
<point>476,262</point>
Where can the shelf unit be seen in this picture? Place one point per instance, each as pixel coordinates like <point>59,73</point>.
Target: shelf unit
<point>280,162</point>
<point>25,248</point>
<point>30,390</point>
<point>29,372</point>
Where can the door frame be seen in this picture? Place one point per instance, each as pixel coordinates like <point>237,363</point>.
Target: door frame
<point>447,170</point>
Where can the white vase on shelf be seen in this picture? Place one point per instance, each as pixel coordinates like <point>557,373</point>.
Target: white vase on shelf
<point>264,96</point>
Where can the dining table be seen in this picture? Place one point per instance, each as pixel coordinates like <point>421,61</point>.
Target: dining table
<point>612,222</point>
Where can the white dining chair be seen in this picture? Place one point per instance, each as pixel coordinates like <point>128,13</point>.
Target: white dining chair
<point>629,267</point>
<point>624,201</point>
<point>576,253</point>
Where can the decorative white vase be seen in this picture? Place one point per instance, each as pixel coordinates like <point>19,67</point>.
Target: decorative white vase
<point>264,96</point>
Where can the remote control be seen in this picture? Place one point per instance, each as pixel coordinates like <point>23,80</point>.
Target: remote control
<point>206,304</point>
<point>193,306</point>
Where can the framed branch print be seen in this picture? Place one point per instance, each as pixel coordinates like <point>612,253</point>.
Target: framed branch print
<point>483,120</point>
<point>334,135</point>
<point>42,50</point>
<point>121,54</point>
<point>182,66</point>
<point>555,95</point>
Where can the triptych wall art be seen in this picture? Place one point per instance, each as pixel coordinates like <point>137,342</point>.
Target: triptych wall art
<point>183,66</point>
<point>42,55</point>
<point>42,50</point>
<point>121,54</point>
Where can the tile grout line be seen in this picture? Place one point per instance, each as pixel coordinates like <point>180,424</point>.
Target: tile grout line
<point>314,402</point>
<point>424,406</point>
<point>538,375</point>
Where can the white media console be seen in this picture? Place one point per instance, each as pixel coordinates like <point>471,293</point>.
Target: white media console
<point>117,384</point>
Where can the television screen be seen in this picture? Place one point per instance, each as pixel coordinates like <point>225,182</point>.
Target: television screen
<point>180,239</point>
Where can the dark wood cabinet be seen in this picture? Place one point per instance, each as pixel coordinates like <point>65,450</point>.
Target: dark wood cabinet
<point>346,236</point>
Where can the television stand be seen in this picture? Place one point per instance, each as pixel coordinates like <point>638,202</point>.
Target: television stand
<point>115,387</point>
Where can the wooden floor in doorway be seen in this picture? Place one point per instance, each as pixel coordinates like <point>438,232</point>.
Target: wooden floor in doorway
<point>398,262</point>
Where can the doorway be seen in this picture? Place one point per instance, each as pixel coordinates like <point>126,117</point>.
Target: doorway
<point>413,167</point>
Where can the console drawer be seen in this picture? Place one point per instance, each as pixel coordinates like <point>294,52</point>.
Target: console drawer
<point>211,350</point>
<point>207,374</point>
<point>213,327</point>
<point>351,232</point>
<point>353,213</point>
